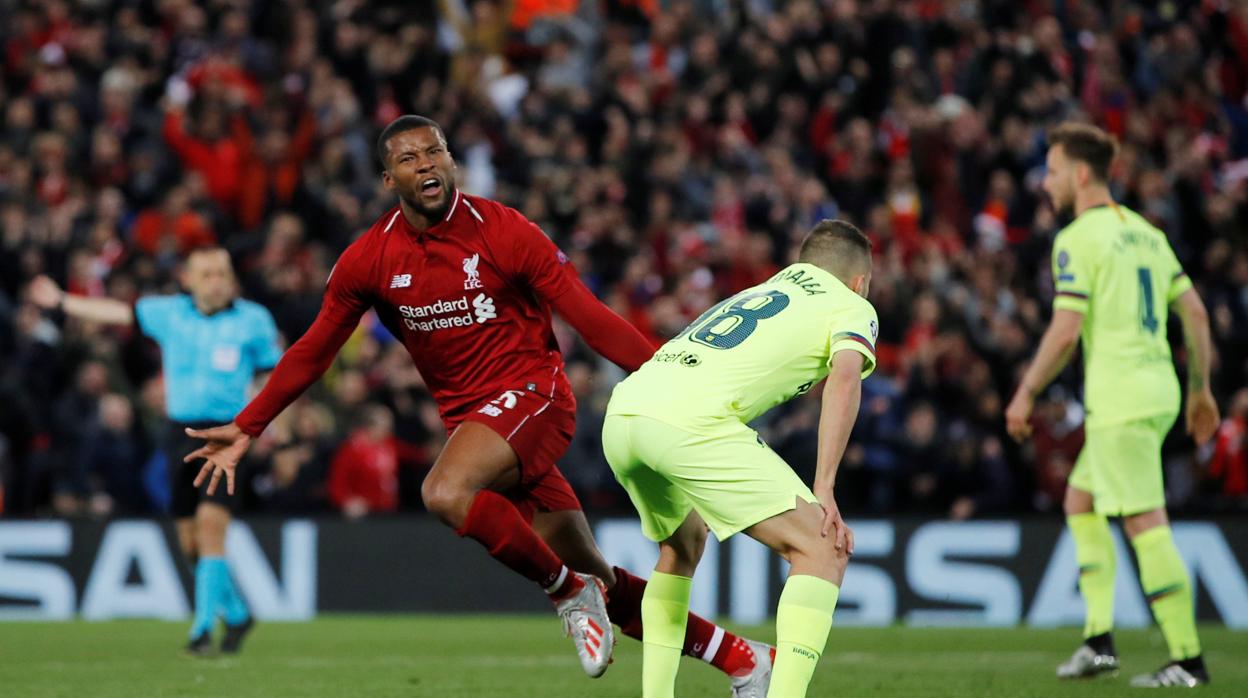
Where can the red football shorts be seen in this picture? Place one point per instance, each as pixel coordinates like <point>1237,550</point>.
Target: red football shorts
<point>539,430</point>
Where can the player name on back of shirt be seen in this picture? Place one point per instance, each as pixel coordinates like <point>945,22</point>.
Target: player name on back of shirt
<point>802,279</point>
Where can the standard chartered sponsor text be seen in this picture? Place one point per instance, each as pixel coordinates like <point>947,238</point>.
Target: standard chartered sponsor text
<point>443,314</point>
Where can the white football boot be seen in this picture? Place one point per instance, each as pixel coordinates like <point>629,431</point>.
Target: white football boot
<point>754,684</point>
<point>1172,675</point>
<point>585,620</point>
<point>1086,663</point>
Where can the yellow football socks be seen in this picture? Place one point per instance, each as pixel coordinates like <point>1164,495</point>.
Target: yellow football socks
<point>1168,589</point>
<point>1094,550</point>
<point>664,611</point>
<point>803,621</point>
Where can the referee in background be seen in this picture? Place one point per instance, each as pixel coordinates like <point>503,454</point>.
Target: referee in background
<point>212,346</point>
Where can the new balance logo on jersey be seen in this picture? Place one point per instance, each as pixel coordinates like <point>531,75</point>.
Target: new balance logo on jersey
<point>401,281</point>
<point>473,279</point>
<point>483,306</point>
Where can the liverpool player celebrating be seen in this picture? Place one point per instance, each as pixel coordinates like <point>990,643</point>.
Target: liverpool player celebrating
<point>467,285</point>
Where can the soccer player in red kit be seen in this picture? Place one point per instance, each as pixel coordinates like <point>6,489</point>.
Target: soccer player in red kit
<point>468,285</point>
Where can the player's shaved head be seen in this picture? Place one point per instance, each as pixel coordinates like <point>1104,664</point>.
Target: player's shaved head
<point>403,124</point>
<point>840,249</point>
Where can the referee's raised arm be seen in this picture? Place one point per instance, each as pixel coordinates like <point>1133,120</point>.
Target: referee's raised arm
<point>45,293</point>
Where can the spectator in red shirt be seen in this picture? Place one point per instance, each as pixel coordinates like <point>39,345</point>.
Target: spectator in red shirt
<point>217,148</point>
<point>174,227</point>
<point>364,474</point>
<point>270,177</point>
<point>1229,466</point>
<point>1058,437</point>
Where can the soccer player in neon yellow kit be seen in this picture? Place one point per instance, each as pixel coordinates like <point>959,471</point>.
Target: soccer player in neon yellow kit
<point>676,436</point>
<point>1116,276</point>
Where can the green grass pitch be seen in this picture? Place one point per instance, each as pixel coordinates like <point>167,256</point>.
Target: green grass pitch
<point>527,657</point>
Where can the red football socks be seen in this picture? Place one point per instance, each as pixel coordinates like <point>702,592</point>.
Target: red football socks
<point>703,639</point>
<point>624,603</point>
<point>493,521</point>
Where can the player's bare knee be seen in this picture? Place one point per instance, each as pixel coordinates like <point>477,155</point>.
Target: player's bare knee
<point>689,544</point>
<point>822,560</point>
<point>1136,524</point>
<point>811,548</point>
<point>446,500</point>
<point>693,541</point>
<point>678,557</point>
<point>680,553</point>
<point>828,564</point>
<point>209,537</point>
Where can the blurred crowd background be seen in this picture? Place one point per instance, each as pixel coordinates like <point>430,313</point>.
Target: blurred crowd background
<point>677,150</point>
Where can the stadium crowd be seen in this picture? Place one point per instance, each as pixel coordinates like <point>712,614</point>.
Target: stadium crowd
<point>675,149</point>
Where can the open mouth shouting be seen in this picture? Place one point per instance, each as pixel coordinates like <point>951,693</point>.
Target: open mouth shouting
<point>431,188</point>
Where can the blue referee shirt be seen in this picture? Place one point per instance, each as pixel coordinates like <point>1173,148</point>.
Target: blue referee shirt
<point>209,360</point>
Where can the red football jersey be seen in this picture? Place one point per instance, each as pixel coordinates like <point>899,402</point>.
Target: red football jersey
<point>469,297</point>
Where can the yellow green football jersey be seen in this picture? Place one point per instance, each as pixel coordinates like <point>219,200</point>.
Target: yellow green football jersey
<point>1119,271</point>
<point>751,352</point>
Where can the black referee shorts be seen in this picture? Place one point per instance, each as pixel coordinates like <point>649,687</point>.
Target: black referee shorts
<point>185,497</point>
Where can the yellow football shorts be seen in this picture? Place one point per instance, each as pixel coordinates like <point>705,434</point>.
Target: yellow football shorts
<point>726,473</point>
<point>1120,465</point>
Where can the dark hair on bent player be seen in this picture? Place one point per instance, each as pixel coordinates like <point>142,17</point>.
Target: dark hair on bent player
<point>403,124</point>
<point>1087,144</point>
<point>838,247</point>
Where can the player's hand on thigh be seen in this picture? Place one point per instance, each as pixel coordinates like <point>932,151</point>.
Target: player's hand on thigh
<point>834,525</point>
<point>796,535</point>
<point>225,446</point>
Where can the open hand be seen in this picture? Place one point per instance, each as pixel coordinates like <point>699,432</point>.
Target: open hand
<point>225,446</point>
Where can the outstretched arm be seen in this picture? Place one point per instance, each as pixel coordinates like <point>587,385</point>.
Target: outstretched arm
<point>305,362</point>
<point>1202,409</point>
<point>541,266</point>
<point>606,332</point>
<point>1056,348</point>
<point>44,293</point>
<point>301,366</point>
